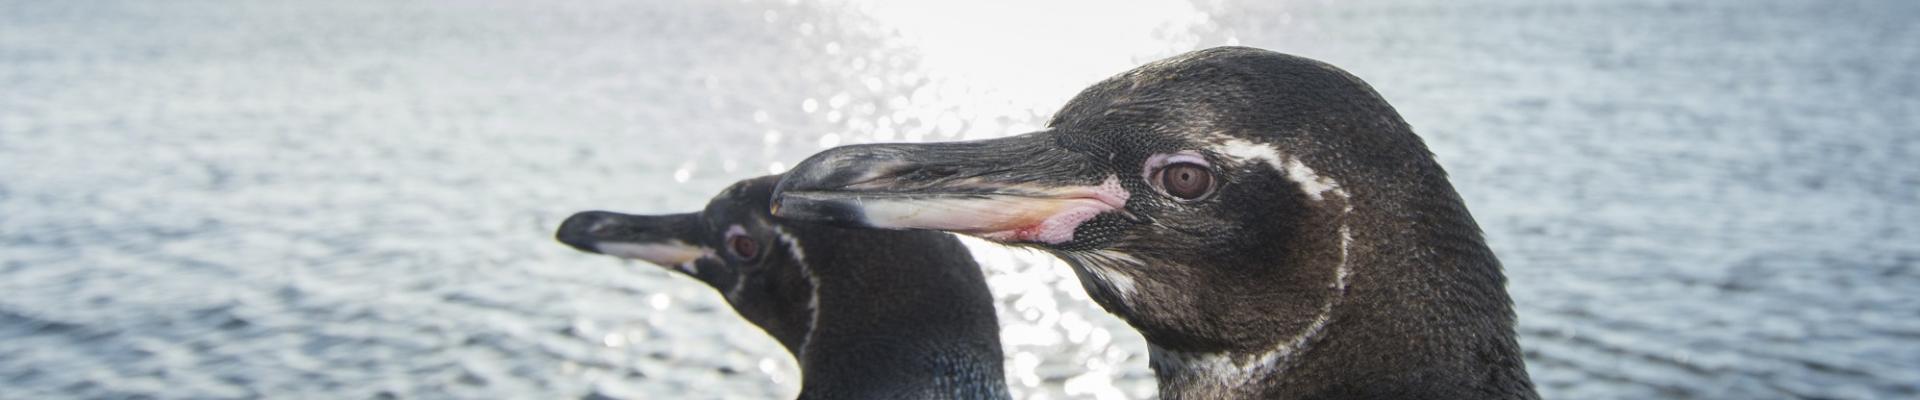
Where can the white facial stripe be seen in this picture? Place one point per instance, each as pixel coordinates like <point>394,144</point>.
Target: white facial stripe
<point>1346,242</point>
<point>813,299</point>
<point>1243,150</point>
<point>672,253</point>
<point>793,247</point>
<point>1315,186</point>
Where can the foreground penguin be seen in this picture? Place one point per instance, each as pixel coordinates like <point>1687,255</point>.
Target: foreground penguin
<point>1267,222</point>
<point>868,314</point>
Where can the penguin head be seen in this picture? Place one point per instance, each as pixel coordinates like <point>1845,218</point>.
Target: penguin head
<point>1185,192</point>
<point>734,246</point>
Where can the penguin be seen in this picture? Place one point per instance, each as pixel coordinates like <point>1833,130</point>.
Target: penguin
<point>1267,222</point>
<point>867,314</point>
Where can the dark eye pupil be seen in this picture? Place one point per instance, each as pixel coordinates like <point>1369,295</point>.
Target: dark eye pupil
<point>744,247</point>
<point>1186,181</point>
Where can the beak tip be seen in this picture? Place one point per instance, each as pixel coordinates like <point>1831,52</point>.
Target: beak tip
<point>575,231</point>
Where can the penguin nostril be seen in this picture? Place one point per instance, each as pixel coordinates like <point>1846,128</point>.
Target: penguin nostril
<point>600,228</point>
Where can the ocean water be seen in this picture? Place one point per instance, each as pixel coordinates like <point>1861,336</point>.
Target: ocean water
<point>354,199</point>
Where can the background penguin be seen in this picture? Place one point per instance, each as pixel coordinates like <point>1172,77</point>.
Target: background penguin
<point>1267,222</point>
<point>868,314</point>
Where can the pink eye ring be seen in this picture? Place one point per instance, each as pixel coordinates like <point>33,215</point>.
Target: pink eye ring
<point>1184,176</point>
<point>742,245</point>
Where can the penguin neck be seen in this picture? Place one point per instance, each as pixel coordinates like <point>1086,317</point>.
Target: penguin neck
<point>913,305</point>
<point>792,316</point>
<point>1414,306</point>
<point>797,335</point>
<point>1364,298</point>
<point>909,309</point>
<point>1226,337</point>
<point>789,322</point>
<point>1255,341</point>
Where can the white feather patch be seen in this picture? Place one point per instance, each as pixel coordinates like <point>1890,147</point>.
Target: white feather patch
<point>1109,266</point>
<point>813,299</point>
<point>1315,186</point>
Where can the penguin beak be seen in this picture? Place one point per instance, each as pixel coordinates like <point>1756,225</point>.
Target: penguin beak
<point>664,240</point>
<point>1018,189</point>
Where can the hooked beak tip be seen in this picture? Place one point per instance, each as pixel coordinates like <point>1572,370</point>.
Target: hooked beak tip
<point>577,231</point>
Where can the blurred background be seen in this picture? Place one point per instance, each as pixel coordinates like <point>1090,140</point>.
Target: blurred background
<point>353,199</point>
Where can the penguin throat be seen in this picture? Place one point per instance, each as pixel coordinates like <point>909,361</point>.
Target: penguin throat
<point>812,321</point>
<point>1113,270</point>
<point>813,286</point>
<point>1209,372</point>
<point>1234,368</point>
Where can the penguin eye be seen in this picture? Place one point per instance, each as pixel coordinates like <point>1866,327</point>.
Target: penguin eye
<point>1185,176</point>
<point>744,247</point>
<point>741,245</point>
<point>1186,181</point>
